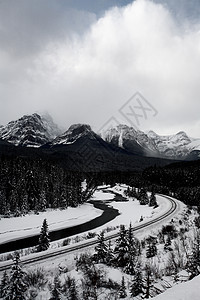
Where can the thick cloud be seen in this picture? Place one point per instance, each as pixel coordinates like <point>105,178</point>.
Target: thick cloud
<point>82,64</point>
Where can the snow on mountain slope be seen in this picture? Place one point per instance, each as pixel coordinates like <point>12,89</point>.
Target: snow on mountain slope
<point>30,131</point>
<point>130,139</point>
<point>184,291</point>
<point>178,145</point>
<point>73,134</point>
<point>172,146</point>
<point>35,130</point>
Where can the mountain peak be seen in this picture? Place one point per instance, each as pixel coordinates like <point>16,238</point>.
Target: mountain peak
<point>29,130</point>
<point>74,132</point>
<point>80,127</point>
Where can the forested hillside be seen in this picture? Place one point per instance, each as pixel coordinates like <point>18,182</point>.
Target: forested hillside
<point>182,179</point>
<point>35,184</point>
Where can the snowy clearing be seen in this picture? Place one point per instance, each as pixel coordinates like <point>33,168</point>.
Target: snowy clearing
<point>183,291</point>
<point>13,228</point>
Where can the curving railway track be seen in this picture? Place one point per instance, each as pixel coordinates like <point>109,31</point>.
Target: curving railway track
<point>44,256</point>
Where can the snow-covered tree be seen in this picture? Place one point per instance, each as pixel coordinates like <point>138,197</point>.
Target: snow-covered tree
<point>122,289</point>
<point>152,200</point>
<point>70,289</point>
<point>147,284</point>
<point>56,289</point>
<point>133,251</point>
<point>4,285</point>
<point>44,240</point>
<point>110,255</point>
<point>121,248</point>
<point>17,285</point>
<point>168,243</point>
<point>143,197</point>
<point>193,264</point>
<point>151,250</point>
<point>101,250</point>
<point>42,201</point>
<point>136,287</point>
<point>197,221</point>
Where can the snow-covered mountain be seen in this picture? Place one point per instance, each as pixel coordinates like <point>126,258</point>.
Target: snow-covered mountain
<point>172,146</point>
<point>179,145</point>
<point>30,131</point>
<point>130,139</point>
<point>74,132</point>
<point>35,131</point>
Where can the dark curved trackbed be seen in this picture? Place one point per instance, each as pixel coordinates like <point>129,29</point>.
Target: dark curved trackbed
<point>109,213</point>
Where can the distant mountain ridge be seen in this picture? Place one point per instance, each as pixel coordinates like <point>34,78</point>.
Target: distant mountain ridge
<point>36,131</point>
<point>177,146</point>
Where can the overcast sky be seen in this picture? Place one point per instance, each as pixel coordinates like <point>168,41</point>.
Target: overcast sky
<point>81,60</point>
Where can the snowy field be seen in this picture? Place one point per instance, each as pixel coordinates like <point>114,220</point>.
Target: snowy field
<point>130,211</point>
<point>13,228</point>
<point>184,291</point>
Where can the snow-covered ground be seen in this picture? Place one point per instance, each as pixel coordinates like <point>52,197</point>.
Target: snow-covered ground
<point>18,227</point>
<point>184,291</point>
<point>13,228</point>
<point>130,211</point>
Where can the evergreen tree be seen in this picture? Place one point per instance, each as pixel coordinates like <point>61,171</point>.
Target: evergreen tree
<point>4,286</point>
<point>152,201</point>
<point>147,282</point>
<point>44,240</point>
<point>130,239</point>
<point>101,249</point>
<point>71,289</point>
<point>42,201</point>
<point>137,281</point>
<point>32,190</point>
<point>63,200</point>
<point>130,264</point>
<point>168,243</point>
<point>56,290</point>
<point>121,248</point>
<point>151,250</point>
<point>110,254</point>
<point>17,286</point>
<point>132,252</point>
<point>197,222</point>
<point>193,264</point>
<point>122,289</point>
<point>143,197</point>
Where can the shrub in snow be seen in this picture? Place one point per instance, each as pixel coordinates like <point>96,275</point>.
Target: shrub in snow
<point>66,242</point>
<point>35,278</point>
<point>170,230</point>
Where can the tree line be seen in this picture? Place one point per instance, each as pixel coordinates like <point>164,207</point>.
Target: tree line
<point>182,180</point>
<point>36,184</point>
